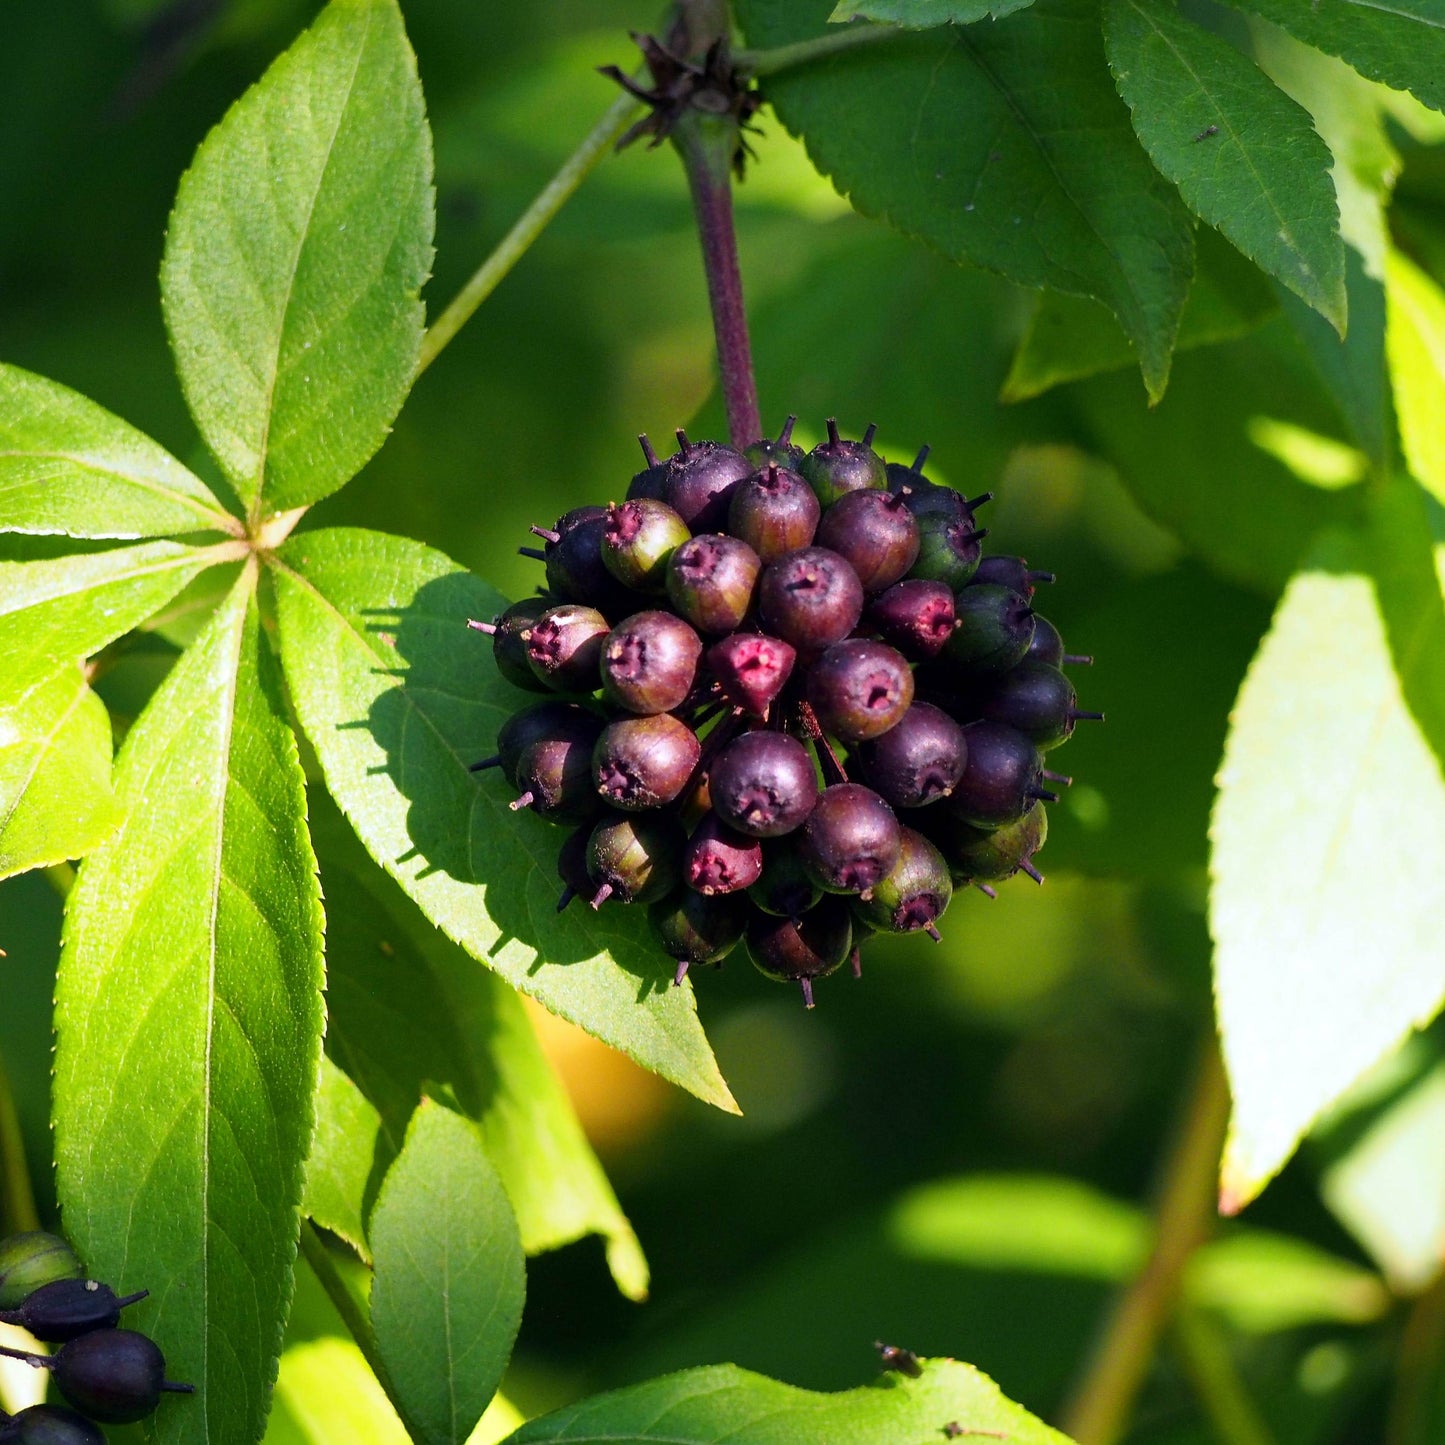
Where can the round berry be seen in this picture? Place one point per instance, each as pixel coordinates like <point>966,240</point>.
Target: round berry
<point>779,452</point>
<point>785,889</point>
<point>719,859</point>
<point>638,540</point>
<point>1000,781</point>
<point>49,1425</point>
<point>916,616</point>
<point>875,532</point>
<point>575,569</point>
<point>554,776</point>
<point>835,467</point>
<point>1036,699</point>
<point>710,581</point>
<point>914,892</point>
<point>798,950</point>
<point>1011,572</point>
<point>572,866</point>
<point>65,1308</point>
<point>509,650</point>
<point>991,855</point>
<point>811,598</point>
<point>918,761</point>
<point>564,647</point>
<point>30,1260</point>
<point>850,840</point>
<point>995,627</point>
<point>859,689</point>
<point>649,662</point>
<point>634,857</point>
<point>644,762</point>
<point>540,720</point>
<point>949,545</point>
<point>700,482</point>
<point>652,479</point>
<point>698,928</point>
<point>763,784</point>
<point>1046,645</point>
<point>114,1376</point>
<point>751,669</point>
<point>774,512</point>
<point>903,476</point>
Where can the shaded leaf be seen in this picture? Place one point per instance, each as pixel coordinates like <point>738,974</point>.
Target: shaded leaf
<point>408,1007</point>
<point>923,14</point>
<point>55,794</point>
<point>1415,336</point>
<point>343,1151</point>
<point>1245,156</point>
<point>446,1297</point>
<point>297,249</point>
<point>723,1403</point>
<point>69,466</point>
<point>398,699</point>
<point>1401,44</point>
<point>1003,145</point>
<point>189,1028</point>
<point>1329,840</point>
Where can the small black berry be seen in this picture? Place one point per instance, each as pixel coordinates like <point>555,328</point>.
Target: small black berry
<point>701,477</point>
<point>850,840</point>
<point>914,892</point>
<point>114,1376</point>
<point>644,762</point>
<point>785,889</point>
<point>979,855</point>
<point>1046,644</point>
<point>540,720</point>
<point>65,1308</point>
<point>1002,778</point>
<point>649,662</point>
<point>917,762</point>
<point>763,784</point>
<point>509,650</point>
<point>49,1425</point>
<point>798,950</point>
<point>575,569</point>
<point>652,479</point>
<point>1010,572</point>
<point>698,928</point>
<point>859,689</point>
<point>710,582</point>
<point>1035,698</point>
<point>811,598</point>
<point>554,775</point>
<point>779,452</point>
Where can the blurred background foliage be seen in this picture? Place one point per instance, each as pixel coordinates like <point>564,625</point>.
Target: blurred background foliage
<point>955,1154</point>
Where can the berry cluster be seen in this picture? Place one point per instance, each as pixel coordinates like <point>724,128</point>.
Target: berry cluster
<point>821,707</point>
<point>108,1374</point>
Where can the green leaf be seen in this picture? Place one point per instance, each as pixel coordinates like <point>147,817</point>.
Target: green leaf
<point>1245,156</point>
<point>297,249</point>
<point>446,1300</point>
<point>1415,343</point>
<point>189,1028</point>
<point>1401,44</point>
<point>924,14</point>
<point>69,466</point>
<point>1069,337</point>
<point>55,794</point>
<point>327,1395</point>
<point>407,1007</point>
<point>343,1152</point>
<point>723,1403</point>
<point>65,608</point>
<point>1005,146</point>
<point>1329,839</point>
<point>398,701</point>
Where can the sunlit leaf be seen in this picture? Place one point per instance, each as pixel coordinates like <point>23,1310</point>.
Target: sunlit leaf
<point>343,1153</point>
<point>1415,340</point>
<point>327,1395</point>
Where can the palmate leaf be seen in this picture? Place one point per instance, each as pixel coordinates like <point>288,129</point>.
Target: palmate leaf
<point>1328,838</point>
<point>55,794</point>
<point>398,699</point>
<point>924,14</point>
<point>299,243</point>
<point>189,1028</point>
<point>446,1296</point>
<point>721,1403</point>
<point>69,466</point>
<point>1244,155</point>
<point>1003,145</point>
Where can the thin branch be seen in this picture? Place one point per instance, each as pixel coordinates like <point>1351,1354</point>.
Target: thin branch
<point>804,52</point>
<point>17,1204</point>
<point>313,1248</point>
<point>1422,1347</point>
<point>1103,1401</point>
<point>529,225</point>
<point>1204,1352</point>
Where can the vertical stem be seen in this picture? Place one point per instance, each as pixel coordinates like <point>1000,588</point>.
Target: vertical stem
<point>1204,1352</point>
<point>17,1202</point>
<point>1103,1401</point>
<point>1421,1362</point>
<point>313,1249</point>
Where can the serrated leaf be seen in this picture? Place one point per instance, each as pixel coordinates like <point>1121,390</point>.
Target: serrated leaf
<point>1005,146</point>
<point>1415,344</point>
<point>723,1403</point>
<point>924,14</point>
<point>407,1007</point>
<point>1069,337</point>
<point>63,609</point>
<point>189,1029</point>
<point>55,794</point>
<point>1329,839</point>
<point>1245,156</point>
<point>398,701</point>
<point>446,1296</point>
<point>297,249</point>
<point>1401,44</point>
<point>69,466</point>
<point>343,1153</point>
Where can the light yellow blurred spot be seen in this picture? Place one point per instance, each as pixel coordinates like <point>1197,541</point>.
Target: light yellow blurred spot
<point>1319,460</point>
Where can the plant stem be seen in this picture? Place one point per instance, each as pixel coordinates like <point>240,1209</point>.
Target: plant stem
<point>17,1204</point>
<point>804,52</point>
<point>1205,1355</point>
<point>529,225</point>
<point>313,1247</point>
<point>1103,1400</point>
<point>1422,1361</point>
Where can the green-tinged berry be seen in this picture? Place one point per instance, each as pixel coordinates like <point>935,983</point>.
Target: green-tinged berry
<point>698,928</point>
<point>30,1260</point>
<point>994,628</point>
<point>914,892</point>
<point>836,467</point>
<point>638,540</point>
<point>634,857</point>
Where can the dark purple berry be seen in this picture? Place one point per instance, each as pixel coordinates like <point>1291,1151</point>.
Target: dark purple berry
<point>30,1260</point>
<point>751,669</point>
<point>638,539</point>
<point>901,475</point>
<point>710,581</point>
<point>774,512</point>
<point>652,479</point>
<point>509,651</point>
<point>649,662</point>
<point>1036,699</point>
<point>835,467</point>
<point>572,866</point>
<point>540,720</point>
<point>65,1308</point>
<point>763,784</point>
<point>564,647</point>
<point>949,544</point>
<point>875,532</point>
<point>1010,572</point>
<point>634,857</point>
<point>49,1425</point>
<point>850,840</point>
<point>1002,778</point>
<point>785,888</point>
<point>979,855</point>
<point>859,689</point>
<point>914,893</point>
<point>994,628</point>
<point>700,482</point>
<point>698,928</point>
<point>1046,644</point>
<point>575,569</point>
<point>798,950</point>
<point>917,762</point>
<point>554,776</point>
<point>644,762</point>
<point>811,598</point>
<point>114,1376</point>
<point>778,452</point>
<point>916,616</point>
<point>719,859</point>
